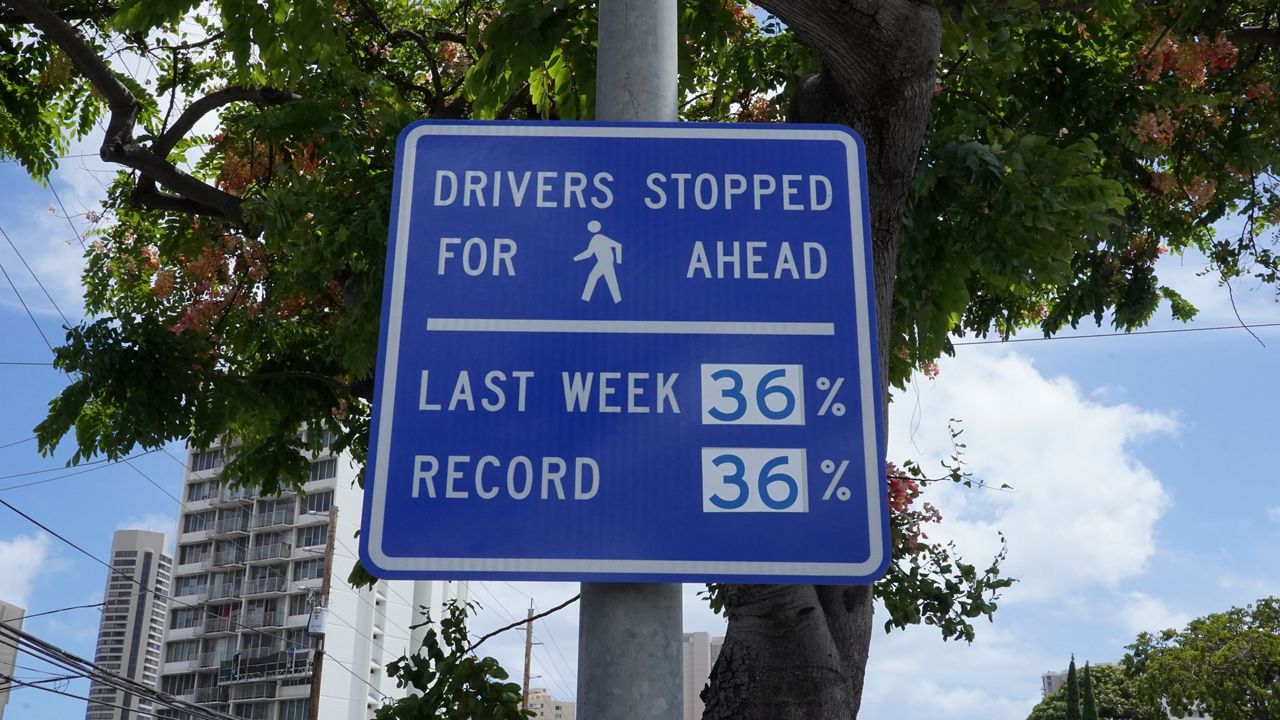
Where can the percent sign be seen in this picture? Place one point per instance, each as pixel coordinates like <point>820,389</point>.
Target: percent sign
<point>836,408</point>
<point>829,467</point>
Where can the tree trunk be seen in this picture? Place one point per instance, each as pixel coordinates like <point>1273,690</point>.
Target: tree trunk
<point>799,652</point>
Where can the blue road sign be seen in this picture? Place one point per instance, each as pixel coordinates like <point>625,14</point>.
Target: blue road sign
<point>627,352</point>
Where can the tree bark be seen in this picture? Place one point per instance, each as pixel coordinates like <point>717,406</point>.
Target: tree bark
<point>799,652</point>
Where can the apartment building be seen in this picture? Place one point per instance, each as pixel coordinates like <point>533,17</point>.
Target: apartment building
<point>242,637</point>
<point>11,616</point>
<point>545,707</point>
<point>132,625</point>
<point>698,655</point>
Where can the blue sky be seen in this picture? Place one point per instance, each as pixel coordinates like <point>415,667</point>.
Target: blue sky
<point>1142,468</point>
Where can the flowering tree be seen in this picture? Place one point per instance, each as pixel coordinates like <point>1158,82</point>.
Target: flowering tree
<point>1029,161</point>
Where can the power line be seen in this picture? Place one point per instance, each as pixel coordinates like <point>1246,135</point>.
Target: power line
<point>24,307</point>
<point>1169,331</point>
<point>19,362</point>
<point>34,276</point>
<point>98,465</point>
<point>121,573</point>
<point>17,442</point>
<point>66,660</point>
<point>73,607</point>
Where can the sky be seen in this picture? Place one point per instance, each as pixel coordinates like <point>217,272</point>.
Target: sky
<point>1142,479</point>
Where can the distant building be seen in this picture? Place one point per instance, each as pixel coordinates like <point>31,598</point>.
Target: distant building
<point>10,615</point>
<point>241,637</point>
<point>545,707</point>
<point>698,655</point>
<point>132,625</point>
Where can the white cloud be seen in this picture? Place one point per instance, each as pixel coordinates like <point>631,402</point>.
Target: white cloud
<point>1144,613</point>
<point>1273,512</point>
<point>22,558</point>
<point>913,675</point>
<point>1082,509</point>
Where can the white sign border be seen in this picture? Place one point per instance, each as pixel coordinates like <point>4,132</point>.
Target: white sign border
<point>373,532</point>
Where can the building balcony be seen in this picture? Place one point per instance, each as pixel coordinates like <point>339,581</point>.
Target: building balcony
<point>236,496</point>
<point>238,525</point>
<point>270,552</point>
<point>271,519</point>
<point>263,586</point>
<point>210,695</point>
<point>270,663</point>
<point>214,625</point>
<point>211,660</point>
<point>261,619</point>
<point>228,557</point>
<point>254,691</point>
<point>217,592</point>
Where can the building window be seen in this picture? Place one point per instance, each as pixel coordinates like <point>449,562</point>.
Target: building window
<point>185,618</point>
<point>189,585</point>
<point>182,651</point>
<point>207,460</point>
<point>318,502</point>
<point>294,709</point>
<point>202,490</point>
<point>197,522</point>
<point>193,553</point>
<point>308,569</point>
<point>300,605</point>
<point>178,684</point>
<point>324,469</point>
<point>312,536</point>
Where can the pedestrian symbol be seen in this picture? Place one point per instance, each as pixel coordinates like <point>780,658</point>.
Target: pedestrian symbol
<point>607,253</point>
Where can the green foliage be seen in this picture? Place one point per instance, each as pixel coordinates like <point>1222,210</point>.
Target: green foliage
<point>1226,665</point>
<point>1073,691</point>
<point>1115,696</point>
<point>450,680</point>
<point>1071,146</point>
<point>1088,703</point>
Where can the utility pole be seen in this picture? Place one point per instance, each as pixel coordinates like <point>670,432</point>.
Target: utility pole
<point>313,701</point>
<point>629,633</point>
<point>528,656</point>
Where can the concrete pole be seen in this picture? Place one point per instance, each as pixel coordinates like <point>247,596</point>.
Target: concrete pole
<point>629,633</point>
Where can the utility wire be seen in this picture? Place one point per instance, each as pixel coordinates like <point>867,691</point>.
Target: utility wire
<point>1169,331</point>
<point>73,607</point>
<point>24,307</point>
<point>17,442</point>
<point>35,277</point>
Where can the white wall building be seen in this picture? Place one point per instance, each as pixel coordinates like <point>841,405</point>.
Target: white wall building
<point>248,571</point>
<point>698,655</point>
<point>545,707</point>
<point>10,615</point>
<point>132,624</point>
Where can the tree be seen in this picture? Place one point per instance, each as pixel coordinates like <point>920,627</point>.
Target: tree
<point>1073,691</point>
<point>1089,709</point>
<point>1028,162</point>
<point>1226,665</point>
<point>1116,698</point>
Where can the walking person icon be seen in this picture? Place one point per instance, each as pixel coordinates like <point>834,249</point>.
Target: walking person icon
<point>607,253</point>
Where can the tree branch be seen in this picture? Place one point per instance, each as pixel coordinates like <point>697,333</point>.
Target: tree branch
<point>198,109</point>
<point>1255,36</point>
<point>118,144</point>
<point>518,623</point>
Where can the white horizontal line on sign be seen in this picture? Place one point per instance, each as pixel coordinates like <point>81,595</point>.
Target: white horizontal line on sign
<point>628,327</point>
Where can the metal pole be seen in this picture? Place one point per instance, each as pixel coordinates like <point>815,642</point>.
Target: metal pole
<point>629,633</point>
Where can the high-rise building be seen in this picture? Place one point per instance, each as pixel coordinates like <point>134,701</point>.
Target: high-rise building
<point>698,655</point>
<point>132,625</point>
<point>545,707</point>
<point>249,571</point>
<point>10,615</point>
